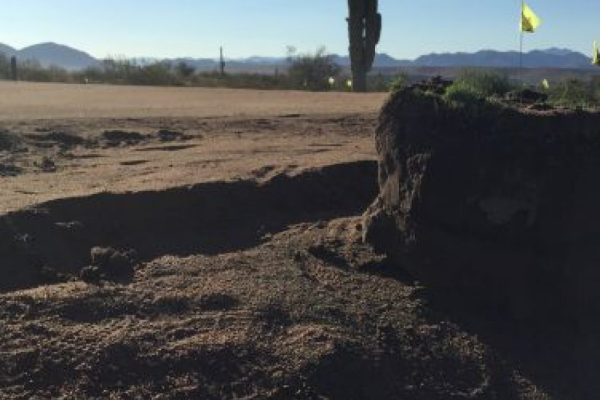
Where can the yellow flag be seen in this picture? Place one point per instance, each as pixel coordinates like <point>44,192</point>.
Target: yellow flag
<point>596,57</point>
<point>546,84</point>
<point>529,20</point>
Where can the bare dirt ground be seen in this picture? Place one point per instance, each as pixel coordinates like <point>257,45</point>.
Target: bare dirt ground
<point>48,100</point>
<point>190,243</point>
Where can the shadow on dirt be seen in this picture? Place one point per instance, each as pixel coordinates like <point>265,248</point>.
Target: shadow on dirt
<point>207,218</point>
<point>558,353</point>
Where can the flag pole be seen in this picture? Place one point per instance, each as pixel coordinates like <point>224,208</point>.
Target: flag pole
<point>521,43</point>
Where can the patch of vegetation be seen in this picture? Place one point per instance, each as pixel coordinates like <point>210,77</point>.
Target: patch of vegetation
<point>398,83</point>
<point>462,93</point>
<point>312,71</point>
<point>575,93</point>
<point>474,85</point>
<point>240,81</point>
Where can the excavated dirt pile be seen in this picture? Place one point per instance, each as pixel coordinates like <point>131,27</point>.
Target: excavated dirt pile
<point>492,199</point>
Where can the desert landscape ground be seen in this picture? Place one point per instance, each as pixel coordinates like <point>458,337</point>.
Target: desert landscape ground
<point>174,243</point>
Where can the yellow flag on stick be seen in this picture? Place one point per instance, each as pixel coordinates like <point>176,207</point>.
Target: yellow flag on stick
<point>529,20</point>
<point>596,57</point>
<point>546,84</point>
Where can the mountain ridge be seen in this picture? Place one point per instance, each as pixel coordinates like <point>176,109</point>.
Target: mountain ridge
<point>53,54</point>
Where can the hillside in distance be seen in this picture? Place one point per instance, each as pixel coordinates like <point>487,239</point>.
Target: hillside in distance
<point>550,58</point>
<point>53,54</point>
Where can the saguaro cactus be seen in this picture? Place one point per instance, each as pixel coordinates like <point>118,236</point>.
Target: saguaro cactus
<point>364,25</point>
<point>14,74</point>
<point>221,62</point>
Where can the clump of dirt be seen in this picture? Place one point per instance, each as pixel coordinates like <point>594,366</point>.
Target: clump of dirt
<point>9,170</point>
<point>59,138</point>
<point>167,135</point>
<point>109,264</point>
<point>115,138</point>
<point>46,165</point>
<point>9,142</point>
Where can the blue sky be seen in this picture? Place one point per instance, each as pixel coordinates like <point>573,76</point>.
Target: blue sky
<point>171,28</point>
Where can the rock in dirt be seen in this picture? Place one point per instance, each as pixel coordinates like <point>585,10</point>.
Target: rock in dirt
<point>167,135</point>
<point>46,165</point>
<point>491,198</point>
<point>64,140</point>
<point>9,142</point>
<point>109,264</point>
<point>9,170</point>
<point>92,274</point>
<point>119,137</point>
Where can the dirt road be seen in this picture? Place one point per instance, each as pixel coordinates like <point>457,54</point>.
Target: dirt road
<point>24,100</point>
<point>61,140</point>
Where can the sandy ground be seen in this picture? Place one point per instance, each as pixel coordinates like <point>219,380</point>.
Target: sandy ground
<point>49,100</point>
<point>232,134</point>
<point>208,149</point>
<point>231,264</point>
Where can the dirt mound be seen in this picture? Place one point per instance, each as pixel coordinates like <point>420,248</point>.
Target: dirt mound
<point>9,142</point>
<point>207,218</point>
<point>115,138</point>
<point>492,199</point>
<point>268,322</point>
<point>62,139</point>
<point>109,264</point>
<point>168,135</point>
<point>9,170</point>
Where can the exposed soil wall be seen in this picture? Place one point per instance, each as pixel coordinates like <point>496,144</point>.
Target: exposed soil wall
<point>491,198</point>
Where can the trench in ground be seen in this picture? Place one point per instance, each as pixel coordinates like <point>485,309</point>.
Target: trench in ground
<point>207,218</point>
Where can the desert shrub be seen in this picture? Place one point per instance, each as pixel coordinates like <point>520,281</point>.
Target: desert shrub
<point>398,83</point>
<point>184,70</point>
<point>153,74</point>
<point>575,93</point>
<point>378,82</point>
<point>240,81</point>
<point>483,84</point>
<point>312,71</point>
<point>462,93</point>
<point>30,70</point>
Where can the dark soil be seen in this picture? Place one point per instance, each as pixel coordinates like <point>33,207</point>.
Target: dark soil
<point>118,137</point>
<point>207,218</point>
<point>247,290</point>
<point>62,139</point>
<point>270,321</point>
<point>9,170</point>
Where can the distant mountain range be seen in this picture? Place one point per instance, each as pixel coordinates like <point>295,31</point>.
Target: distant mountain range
<point>52,54</point>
